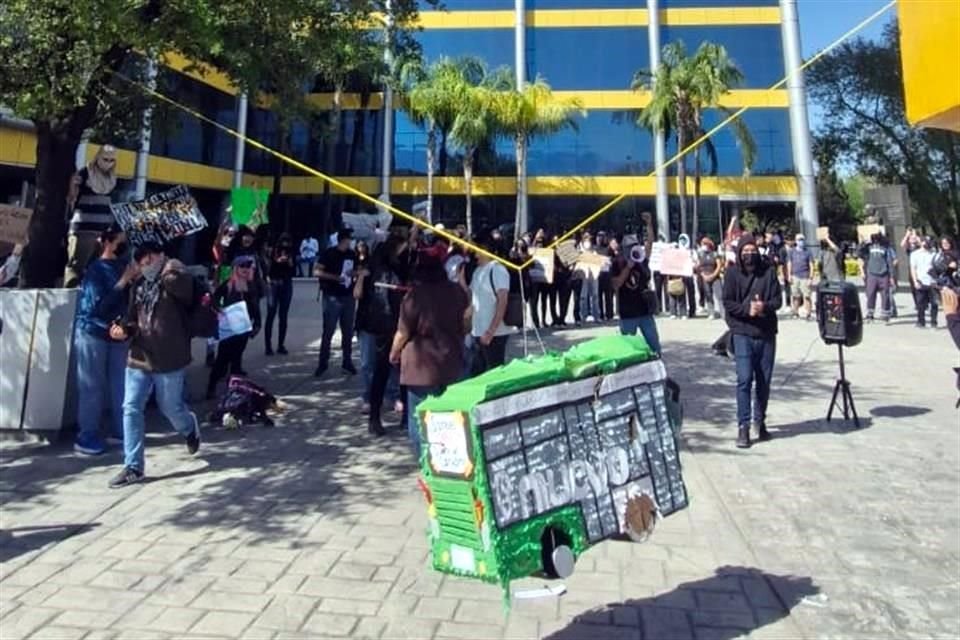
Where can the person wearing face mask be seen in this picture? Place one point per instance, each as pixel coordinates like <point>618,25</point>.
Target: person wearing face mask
<point>799,274</point>
<point>157,326</point>
<point>279,292</point>
<point>93,188</point>
<point>102,362</point>
<point>925,294</point>
<point>751,298</point>
<point>239,288</point>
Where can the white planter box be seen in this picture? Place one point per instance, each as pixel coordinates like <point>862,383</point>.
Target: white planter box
<point>37,381</point>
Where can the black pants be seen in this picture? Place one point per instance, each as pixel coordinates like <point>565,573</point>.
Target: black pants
<point>381,375</point>
<point>606,296</point>
<point>229,356</point>
<point>660,288</point>
<point>281,294</point>
<point>490,356</point>
<point>691,297</point>
<point>545,294</point>
<point>533,298</point>
<point>560,300</point>
<point>926,297</point>
<point>576,286</point>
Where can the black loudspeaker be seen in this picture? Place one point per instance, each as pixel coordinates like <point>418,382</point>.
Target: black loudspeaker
<point>838,314</point>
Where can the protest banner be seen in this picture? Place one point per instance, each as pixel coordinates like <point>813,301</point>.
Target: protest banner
<point>248,206</point>
<point>14,222</point>
<point>675,261</point>
<point>593,264</point>
<point>160,218</point>
<point>864,231</point>
<point>823,233</point>
<point>544,260</point>
<point>568,253</point>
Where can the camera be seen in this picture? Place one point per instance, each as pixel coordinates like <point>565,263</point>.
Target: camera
<point>945,274</point>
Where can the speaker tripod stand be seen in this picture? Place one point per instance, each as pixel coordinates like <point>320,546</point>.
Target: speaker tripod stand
<point>842,397</point>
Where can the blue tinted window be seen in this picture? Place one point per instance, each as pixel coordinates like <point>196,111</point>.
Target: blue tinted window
<point>355,152</point>
<point>182,136</point>
<point>587,58</point>
<point>756,49</point>
<point>605,143</point>
<point>770,129</point>
<point>262,127</point>
<point>495,46</point>
<point>410,154</point>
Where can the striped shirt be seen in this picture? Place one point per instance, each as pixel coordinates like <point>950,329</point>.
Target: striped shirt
<point>92,213</point>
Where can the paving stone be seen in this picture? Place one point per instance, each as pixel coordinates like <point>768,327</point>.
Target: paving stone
<point>287,584</point>
<point>93,599</point>
<point>665,623</point>
<point>139,617</point>
<point>331,624</point>
<point>459,630</point>
<point>353,571</point>
<point>239,602</point>
<point>86,619</point>
<point>33,574</point>
<point>176,619</point>
<point>315,562</point>
<point>714,601</point>
<point>229,624</point>
<point>286,612</point>
<point>734,619</point>
<point>436,608</point>
<point>577,631</point>
<point>24,620</point>
<point>387,574</point>
<point>369,629</point>
<point>399,628</point>
<point>239,585</point>
<point>356,607</point>
<point>339,588</point>
<point>116,580</point>
<point>268,571</point>
<point>59,633</point>
<point>179,592</point>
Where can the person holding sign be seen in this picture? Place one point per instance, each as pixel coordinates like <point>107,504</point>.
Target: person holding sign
<point>631,276</point>
<point>751,298</point>
<point>238,289</point>
<point>336,275</point>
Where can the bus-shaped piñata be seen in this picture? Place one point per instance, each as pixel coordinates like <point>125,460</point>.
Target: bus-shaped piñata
<point>527,466</point>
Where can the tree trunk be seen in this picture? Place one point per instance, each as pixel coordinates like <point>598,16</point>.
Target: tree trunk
<point>520,222</point>
<point>696,194</point>
<point>442,154</point>
<point>468,188</point>
<point>431,164</point>
<point>45,254</point>
<point>682,179</point>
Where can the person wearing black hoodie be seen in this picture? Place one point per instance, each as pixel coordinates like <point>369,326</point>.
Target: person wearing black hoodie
<point>751,298</point>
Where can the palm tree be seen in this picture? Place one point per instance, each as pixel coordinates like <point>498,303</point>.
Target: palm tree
<point>525,114</point>
<point>431,97</point>
<point>476,123</point>
<point>681,89</point>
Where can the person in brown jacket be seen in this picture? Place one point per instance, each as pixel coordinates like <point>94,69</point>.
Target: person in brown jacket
<point>158,330</point>
<point>428,344</point>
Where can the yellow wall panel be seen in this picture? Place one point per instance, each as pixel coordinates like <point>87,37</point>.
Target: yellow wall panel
<point>18,147</point>
<point>930,52</point>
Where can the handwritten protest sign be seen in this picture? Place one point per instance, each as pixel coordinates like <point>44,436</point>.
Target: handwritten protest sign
<point>656,255</point>
<point>543,259</point>
<point>864,231</point>
<point>675,261</point>
<point>14,222</point>
<point>823,233</point>
<point>248,206</point>
<point>593,264</point>
<point>568,253</point>
<point>160,218</point>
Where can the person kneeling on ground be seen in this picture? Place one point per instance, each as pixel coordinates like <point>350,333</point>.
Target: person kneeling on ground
<point>156,326</point>
<point>751,298</point>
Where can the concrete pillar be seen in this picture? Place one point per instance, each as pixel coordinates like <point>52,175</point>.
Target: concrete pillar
<point>659,142</point>
<point>241,145</point>
<point>141,170</point>
<point>386,165</point>
<point>807,215</point>
<point>520,63</point>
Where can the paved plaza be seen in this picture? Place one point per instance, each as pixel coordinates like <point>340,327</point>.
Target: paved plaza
<point>313,529</point>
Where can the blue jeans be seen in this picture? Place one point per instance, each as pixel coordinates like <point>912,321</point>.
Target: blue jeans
<point>101,368</point>
<point>368,363</point>
<point>590,298</point>
<point>754,358</point>
<point>337,310</point>
<point>416,395</point>
<point>648,329</point>
<point>170,399</point>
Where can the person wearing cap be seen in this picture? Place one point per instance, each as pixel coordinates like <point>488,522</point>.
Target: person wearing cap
<point>102,362</point>
<point>239,288</point>
<point>799,274</point>
<point>751,298</point>
<point>157,327</point>
<point>336,274</point>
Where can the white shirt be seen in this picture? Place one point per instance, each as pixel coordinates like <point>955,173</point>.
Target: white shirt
<point>485,298</point>
<point>921,261</point>
<point>309,248</point>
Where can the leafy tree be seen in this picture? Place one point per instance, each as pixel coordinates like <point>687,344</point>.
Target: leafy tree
<point>527,113</point>
<point>59,60</point>
<point>859,88</point>
<point>475,124</point>
<point>682,88</point>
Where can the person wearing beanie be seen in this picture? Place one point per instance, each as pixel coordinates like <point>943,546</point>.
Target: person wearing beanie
<point>751,298</point>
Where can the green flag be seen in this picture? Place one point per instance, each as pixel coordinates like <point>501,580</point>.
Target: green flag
<point>248,206</point>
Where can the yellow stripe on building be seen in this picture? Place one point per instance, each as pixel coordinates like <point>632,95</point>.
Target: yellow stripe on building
<point>568,18</point>
<point>639,99</point>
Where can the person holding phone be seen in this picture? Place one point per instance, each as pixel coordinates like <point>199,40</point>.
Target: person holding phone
<point>751,298</point>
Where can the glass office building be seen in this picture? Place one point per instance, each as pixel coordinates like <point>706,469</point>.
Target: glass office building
<point>588,49</point>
